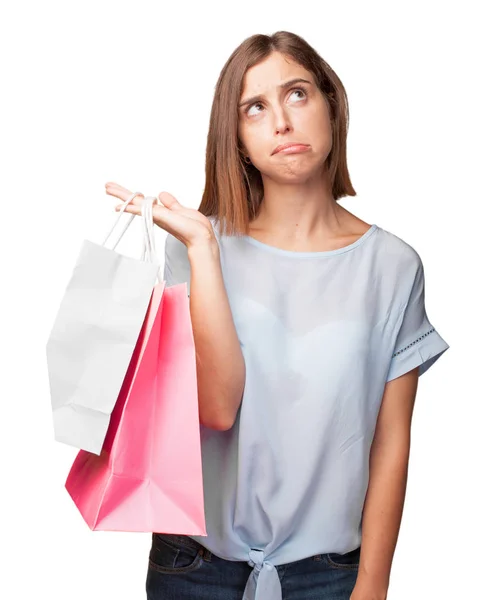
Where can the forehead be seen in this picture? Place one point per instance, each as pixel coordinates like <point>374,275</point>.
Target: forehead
<point>277,68</point>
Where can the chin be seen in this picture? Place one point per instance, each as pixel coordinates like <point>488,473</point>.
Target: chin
<point>293,176</point>
<point>295,171</point>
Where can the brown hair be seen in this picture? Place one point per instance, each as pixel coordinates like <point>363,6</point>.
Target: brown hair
<point>234,189</point>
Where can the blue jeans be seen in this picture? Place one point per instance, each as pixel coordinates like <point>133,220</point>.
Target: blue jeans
<point>179,568</point>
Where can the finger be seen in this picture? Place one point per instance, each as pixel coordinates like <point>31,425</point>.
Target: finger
<point>134,209</point>
<point>117,191</point>
<point>114,185</point>
<point>114,189</point>
<point>136,201</point>
<point>130,208</point>
<point>169,201</point>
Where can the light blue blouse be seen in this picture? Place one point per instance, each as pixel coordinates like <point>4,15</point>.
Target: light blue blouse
<point>321,334</point>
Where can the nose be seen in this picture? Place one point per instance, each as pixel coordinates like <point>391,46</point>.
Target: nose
<point>282,129</point>
<point>282,123</point>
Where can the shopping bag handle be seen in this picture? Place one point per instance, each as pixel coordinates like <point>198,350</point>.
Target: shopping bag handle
<point>121,212</point>
<point>149,253</point>
<point>148,245</point>
<point>149,250</point>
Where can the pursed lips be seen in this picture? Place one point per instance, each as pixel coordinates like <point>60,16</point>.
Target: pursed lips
<point>288,146</point>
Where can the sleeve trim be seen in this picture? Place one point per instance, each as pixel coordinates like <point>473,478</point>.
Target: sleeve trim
<point>414,342</point>
<point>423,354</point>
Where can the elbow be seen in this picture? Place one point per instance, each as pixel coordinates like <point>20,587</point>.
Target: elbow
<point>219,419</point>
<point>224,425</point>
<point>218,424</point>
<point>218,410</point>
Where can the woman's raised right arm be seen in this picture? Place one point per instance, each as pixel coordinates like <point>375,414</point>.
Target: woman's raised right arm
<point>219,359</point>
<point>220,363</point>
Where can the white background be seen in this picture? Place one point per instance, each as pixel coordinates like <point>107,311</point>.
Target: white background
<point>121,91</point>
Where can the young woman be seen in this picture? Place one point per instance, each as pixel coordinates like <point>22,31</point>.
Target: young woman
<point>311,332</point>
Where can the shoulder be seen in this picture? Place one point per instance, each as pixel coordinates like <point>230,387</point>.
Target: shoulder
<point>400,269</point>
<point>397,254</point>
<point>400,266</point>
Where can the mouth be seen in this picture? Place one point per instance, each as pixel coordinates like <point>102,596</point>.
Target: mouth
<point>291,148</point>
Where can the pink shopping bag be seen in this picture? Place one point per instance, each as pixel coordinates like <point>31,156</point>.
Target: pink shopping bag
<point>148,476</point>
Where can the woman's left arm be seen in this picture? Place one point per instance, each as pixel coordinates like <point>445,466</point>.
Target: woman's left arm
<point>384,501</point>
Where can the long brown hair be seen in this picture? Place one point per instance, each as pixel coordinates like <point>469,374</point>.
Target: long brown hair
<point>234,189</point>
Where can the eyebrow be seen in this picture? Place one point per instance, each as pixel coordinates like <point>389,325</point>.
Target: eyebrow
<point>282,86</point>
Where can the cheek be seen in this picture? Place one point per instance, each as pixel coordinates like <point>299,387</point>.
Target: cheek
<point>319,129</point>
<point>257,140</point>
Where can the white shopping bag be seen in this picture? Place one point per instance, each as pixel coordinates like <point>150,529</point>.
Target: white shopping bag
<point>95,332</point>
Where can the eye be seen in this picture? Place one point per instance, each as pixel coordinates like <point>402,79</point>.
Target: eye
<point>252,105</point>
<point>261,104</point>
<point>300,90</point>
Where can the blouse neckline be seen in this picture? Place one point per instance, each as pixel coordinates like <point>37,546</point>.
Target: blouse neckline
<point>319,254</point>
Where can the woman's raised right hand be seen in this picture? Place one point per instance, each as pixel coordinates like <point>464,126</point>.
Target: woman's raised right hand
<point>186,224</point>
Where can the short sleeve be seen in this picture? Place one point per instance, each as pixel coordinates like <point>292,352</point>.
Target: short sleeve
<point>176,266</point>
<point>418,343</point>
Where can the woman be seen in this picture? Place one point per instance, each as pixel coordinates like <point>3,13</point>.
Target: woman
<point>310,330</point>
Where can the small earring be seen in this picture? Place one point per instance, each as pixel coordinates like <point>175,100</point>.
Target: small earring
<point>247,159</point>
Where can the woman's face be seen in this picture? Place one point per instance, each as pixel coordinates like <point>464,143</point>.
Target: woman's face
<point>282,114</point>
